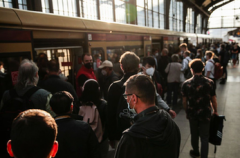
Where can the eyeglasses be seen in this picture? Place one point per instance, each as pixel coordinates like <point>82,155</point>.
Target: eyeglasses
<point>125,95</point>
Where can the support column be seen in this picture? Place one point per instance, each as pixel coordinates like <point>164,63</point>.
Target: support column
<point>167,6</point>
<point>195,20</point>
<point>185,7</point>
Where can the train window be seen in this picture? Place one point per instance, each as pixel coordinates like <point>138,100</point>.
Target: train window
<point>45,6</point>
<point>6,3</point>
<point>22,4</point>
<point>68,8</point>
<point>98,57</point>
<point>136,49</point>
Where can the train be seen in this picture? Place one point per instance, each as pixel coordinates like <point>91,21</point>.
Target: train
<point>26,34</point>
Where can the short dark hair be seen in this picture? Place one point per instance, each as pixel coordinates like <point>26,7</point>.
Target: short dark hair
<point>91,92</point>
<point>33,134</point>
<point>187,53</point>
<point>197,65</point>
<point>149,60</point>
<point>184,45</point>
<point>85,54</point>
<point>142,86</point>
<point>222,46</point>
<point>53,65</point>
<point>209,54</point>
<point>199,50</point>
<point>61,102</point>
<point>130,62</point>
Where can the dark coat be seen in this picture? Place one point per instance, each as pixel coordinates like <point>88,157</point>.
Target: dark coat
<point>76,139</point>
<point>154,134</point>
<point>54,84</point>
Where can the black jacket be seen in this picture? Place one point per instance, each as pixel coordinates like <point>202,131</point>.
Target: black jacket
<point>106,81</point>
<point>54,83</point>
<point>115,95</point>
<point>154,134</point>
<point>76,139</point>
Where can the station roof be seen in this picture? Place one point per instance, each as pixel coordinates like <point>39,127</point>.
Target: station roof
<point>211,5</point>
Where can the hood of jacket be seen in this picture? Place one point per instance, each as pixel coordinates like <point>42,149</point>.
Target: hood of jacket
<point>155,125</point>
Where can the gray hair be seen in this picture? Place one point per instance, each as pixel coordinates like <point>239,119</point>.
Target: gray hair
<point>27,74</point>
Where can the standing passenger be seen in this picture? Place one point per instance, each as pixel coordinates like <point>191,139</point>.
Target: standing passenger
<point>153,134</point>
<point>85,72</point>
<point>198,95</point>
<point>210,67</point>
<point>53,83</point>
<point>108,76</point>
<point>174,70</point>
<point>223,58</point>
<point>129,63</point>
<point>185,65</point>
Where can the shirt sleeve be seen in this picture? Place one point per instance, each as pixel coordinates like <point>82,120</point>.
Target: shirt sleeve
<point>184,65</point>
<point>161,103</point>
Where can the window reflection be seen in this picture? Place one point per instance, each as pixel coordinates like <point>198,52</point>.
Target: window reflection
<point>65,7</point>
<point>22,4</point>
<point>89,9</point>
<point>120,11</point>
<point>6,3</point>
<point>45,6</point>
<point>176,16</point>
<point>106,10</point>
<point>190,21</point>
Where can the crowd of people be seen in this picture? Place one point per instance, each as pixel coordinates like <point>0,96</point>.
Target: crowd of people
<point>44,116</point>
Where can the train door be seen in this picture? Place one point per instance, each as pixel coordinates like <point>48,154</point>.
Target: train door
<point>69,59</point>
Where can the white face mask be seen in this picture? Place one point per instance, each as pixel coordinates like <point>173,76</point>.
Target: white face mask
<point>104,72</point>
<point>156,54</point>
<point>198,54</point>
<point>2,70</point>
<point>150,71</point>
<point>129,108</point>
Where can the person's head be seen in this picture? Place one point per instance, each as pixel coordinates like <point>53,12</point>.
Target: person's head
<point>129,62</point>
<point>33,134</point>
<point>199,53</point>
<point>53,66</point>
<point>106,67</point>
<point>175,58</point>
<point>148,66</point>
<point>42,60</point>
<point>165,52</point>
<point>196,66</point>
<point>91,92</point>
<point>155,52</point>
<point>62,103</point>
<point>235,46</point>
<point>140,92</point>
<point>27,74</point>
<point>209,55</point>
<point>183,47</point>
<point>87,60</point>
<point>186,54</point>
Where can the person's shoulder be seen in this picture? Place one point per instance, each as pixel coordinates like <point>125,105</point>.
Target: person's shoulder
<point>41,92</point>
<point>116,84</point>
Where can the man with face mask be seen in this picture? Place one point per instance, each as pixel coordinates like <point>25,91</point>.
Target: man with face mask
<point>153,134</point>
<point>108,76</point>
<point>85,72</point>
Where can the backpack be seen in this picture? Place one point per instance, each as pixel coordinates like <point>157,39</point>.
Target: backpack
<point>187,73</point>
<point>10,110</point>
<point>218,70</point>
<point>91,116</point>
<point>215,130</point>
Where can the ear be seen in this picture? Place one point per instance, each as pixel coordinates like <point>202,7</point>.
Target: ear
<point>54,149</point>
<point>121,67</point>
<point>9,148</point>
<point>37,74</point>
<point>135,99</point>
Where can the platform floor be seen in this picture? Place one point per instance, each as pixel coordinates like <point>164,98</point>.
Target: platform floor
<point>228,99</point>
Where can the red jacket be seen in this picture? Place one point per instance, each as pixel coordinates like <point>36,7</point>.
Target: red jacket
<point>89,73</point>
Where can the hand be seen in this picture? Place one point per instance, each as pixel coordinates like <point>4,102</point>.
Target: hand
<point>172,113</point>
<point>215,113</point>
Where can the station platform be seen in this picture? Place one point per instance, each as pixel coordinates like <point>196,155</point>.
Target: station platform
<point>228,99</point>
